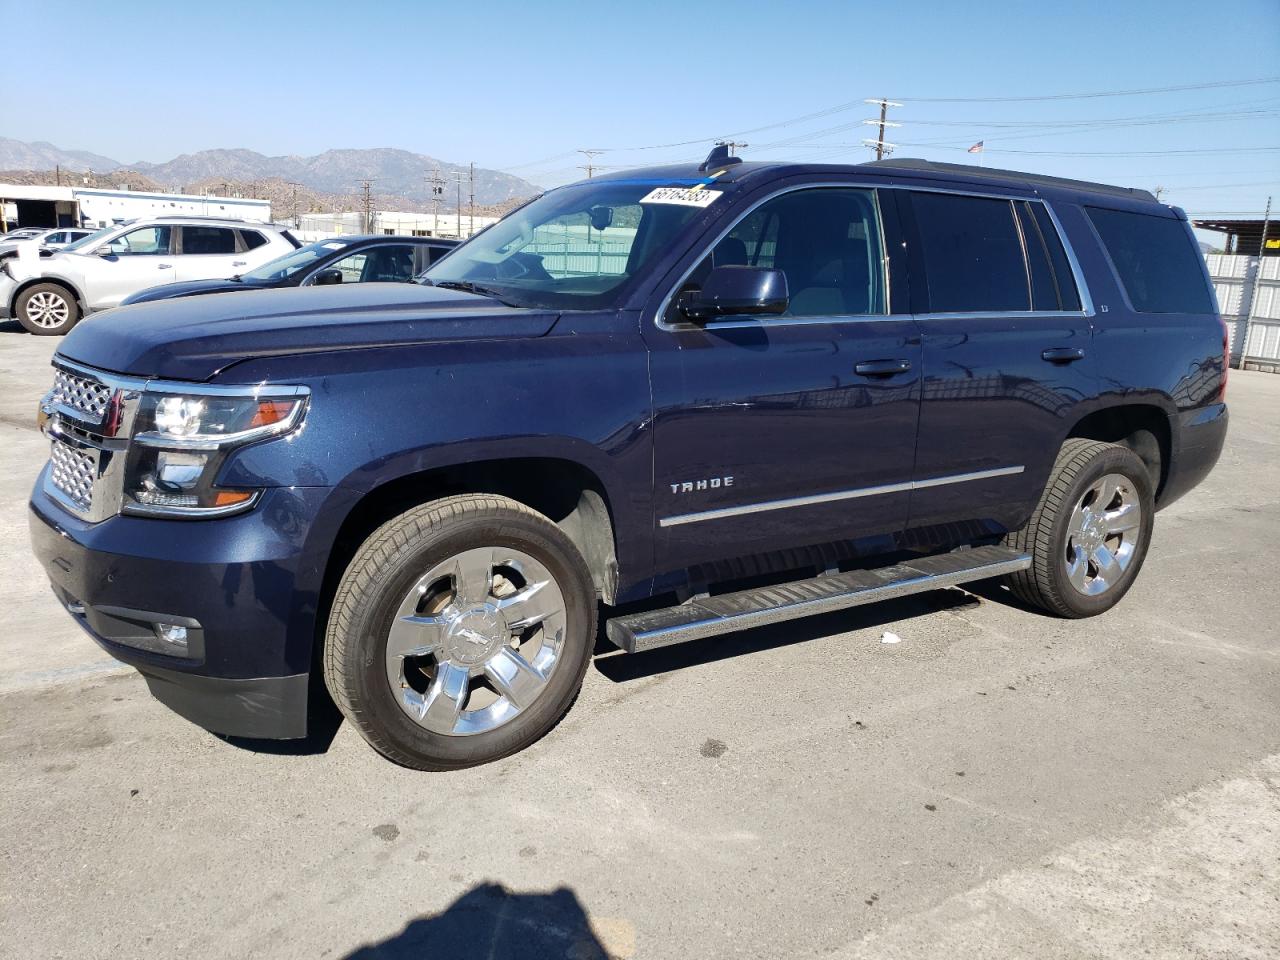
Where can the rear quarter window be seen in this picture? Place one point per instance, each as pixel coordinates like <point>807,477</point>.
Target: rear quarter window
<point>1155,260</point>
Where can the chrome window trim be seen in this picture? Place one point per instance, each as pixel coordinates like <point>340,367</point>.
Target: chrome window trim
<point>1077,274</point>
<point>764,505</point>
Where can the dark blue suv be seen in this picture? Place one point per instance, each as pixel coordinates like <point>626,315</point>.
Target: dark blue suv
<point>686,400</point>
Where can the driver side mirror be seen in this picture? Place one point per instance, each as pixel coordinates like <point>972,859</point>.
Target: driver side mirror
<point>734,290</point>
<point>107,251</point>
<point>327,277</point>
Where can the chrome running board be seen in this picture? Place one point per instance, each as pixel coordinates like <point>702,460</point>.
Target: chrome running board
<point>710,616</point>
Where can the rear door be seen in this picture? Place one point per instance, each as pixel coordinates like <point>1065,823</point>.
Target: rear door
<point>1006,343</point>
<point>778,433</point>
<point>209,253</point>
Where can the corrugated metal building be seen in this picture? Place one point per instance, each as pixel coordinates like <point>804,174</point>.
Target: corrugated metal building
<point>1243,283</point>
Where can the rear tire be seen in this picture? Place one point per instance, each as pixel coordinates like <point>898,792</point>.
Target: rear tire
<point>460,632</point>
<point>1089,534</point>
<point>47,310</point>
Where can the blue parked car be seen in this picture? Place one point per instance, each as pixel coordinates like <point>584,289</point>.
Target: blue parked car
<point>737,392</point>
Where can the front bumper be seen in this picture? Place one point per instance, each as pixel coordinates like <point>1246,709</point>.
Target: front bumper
<point>244,586</point>
<point>7,286</point>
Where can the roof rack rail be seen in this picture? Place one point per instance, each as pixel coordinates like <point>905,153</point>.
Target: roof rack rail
<point>991,173</point>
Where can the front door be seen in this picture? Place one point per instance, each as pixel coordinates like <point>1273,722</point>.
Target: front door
<point>139,259</point>
<point>776,434</point>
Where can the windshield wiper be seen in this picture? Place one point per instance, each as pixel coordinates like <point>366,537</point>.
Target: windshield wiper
<point>469,287</point>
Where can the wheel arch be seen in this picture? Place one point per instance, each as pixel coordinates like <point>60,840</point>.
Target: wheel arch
<point>56,280</point>
<point>570,494</point>
<point>1144,428</point>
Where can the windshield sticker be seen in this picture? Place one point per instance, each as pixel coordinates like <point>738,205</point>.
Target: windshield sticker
<point>682,196</point>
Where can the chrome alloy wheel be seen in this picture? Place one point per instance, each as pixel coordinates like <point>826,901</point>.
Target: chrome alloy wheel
<point>48,310</point>
<point>475,641</point>
<point>1102,534</point>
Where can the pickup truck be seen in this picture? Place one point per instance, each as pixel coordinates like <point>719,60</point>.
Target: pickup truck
<point>662,404</point>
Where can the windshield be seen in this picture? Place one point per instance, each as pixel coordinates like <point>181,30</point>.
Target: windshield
<point>281,268</point>
<point>92,239</point>
<point>575,247</point>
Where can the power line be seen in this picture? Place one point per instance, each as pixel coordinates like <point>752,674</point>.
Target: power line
<point>1102,93</point>
<point>853,104</point>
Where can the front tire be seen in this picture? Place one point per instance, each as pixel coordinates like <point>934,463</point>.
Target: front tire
<point>460,632</point>
<point>1089,534</point>
<point>47,310</point>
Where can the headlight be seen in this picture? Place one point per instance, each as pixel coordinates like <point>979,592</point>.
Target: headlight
<point>181,441</point>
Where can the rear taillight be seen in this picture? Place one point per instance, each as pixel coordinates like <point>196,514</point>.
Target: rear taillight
<point>1226,359</point>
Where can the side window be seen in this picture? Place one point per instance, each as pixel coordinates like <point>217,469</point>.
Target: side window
<point>1064,278</point>
<point>1044,290</point>
<point>145,241</point>
<point>388,263</point>
<point>972,253</point>
<point>208,240</point>
<point>826,240</point>
<point>351,266</point>
<point>252,239</point>
<point>1159,266</point>
<point>435,253</point>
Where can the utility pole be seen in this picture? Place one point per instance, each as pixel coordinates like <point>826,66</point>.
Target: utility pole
<point>57,173</point>
<point>732,145</point>
<point>1257,282</point>
<point>295,185</point>
<point>457,179</point>
<point>880,144</point>
<point>367,203</point>
<point>471,209</point>
<point>589,166</point>
<point>436,186</point>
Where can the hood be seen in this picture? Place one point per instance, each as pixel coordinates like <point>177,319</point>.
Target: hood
<point>191,288</point>
<point>192,338</point>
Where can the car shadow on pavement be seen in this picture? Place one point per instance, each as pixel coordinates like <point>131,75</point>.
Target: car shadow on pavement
<point>11,326</point>
<point>621,667</point>
<point>491,921</point>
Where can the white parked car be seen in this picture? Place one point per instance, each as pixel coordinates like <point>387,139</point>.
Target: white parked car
<point>49,238</point>
<point>49,292</point>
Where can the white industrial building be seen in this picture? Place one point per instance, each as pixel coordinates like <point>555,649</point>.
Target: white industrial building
<point>28,205</point>
<point>319,226</point>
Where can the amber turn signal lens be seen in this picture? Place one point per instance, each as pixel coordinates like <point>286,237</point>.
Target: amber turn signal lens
<point>271,411</point>
<point>228,498</point>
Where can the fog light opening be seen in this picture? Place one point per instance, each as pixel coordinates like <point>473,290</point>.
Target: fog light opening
<point>172,634</point>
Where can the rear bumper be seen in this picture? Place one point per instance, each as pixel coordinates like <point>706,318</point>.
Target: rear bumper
<point>1198,442</point>
<point>233,583</point>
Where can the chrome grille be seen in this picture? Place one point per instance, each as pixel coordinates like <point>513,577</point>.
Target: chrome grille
<point>72,472</point>
<point>89,397</point>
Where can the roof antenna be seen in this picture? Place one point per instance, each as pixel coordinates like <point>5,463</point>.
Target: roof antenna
<point>718,157</point>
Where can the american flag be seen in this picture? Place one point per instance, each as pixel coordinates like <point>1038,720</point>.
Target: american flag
<point>976,148</point>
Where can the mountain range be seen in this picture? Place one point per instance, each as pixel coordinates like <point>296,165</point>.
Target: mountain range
<point>394,172</point>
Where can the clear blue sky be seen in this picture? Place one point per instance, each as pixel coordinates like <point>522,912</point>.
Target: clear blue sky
<point>521,85</point>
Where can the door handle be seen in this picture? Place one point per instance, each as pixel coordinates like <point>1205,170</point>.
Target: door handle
<point>164,266</point>
<point>881,368</point>
<point>1063,354</point>
<point>238,263</point>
